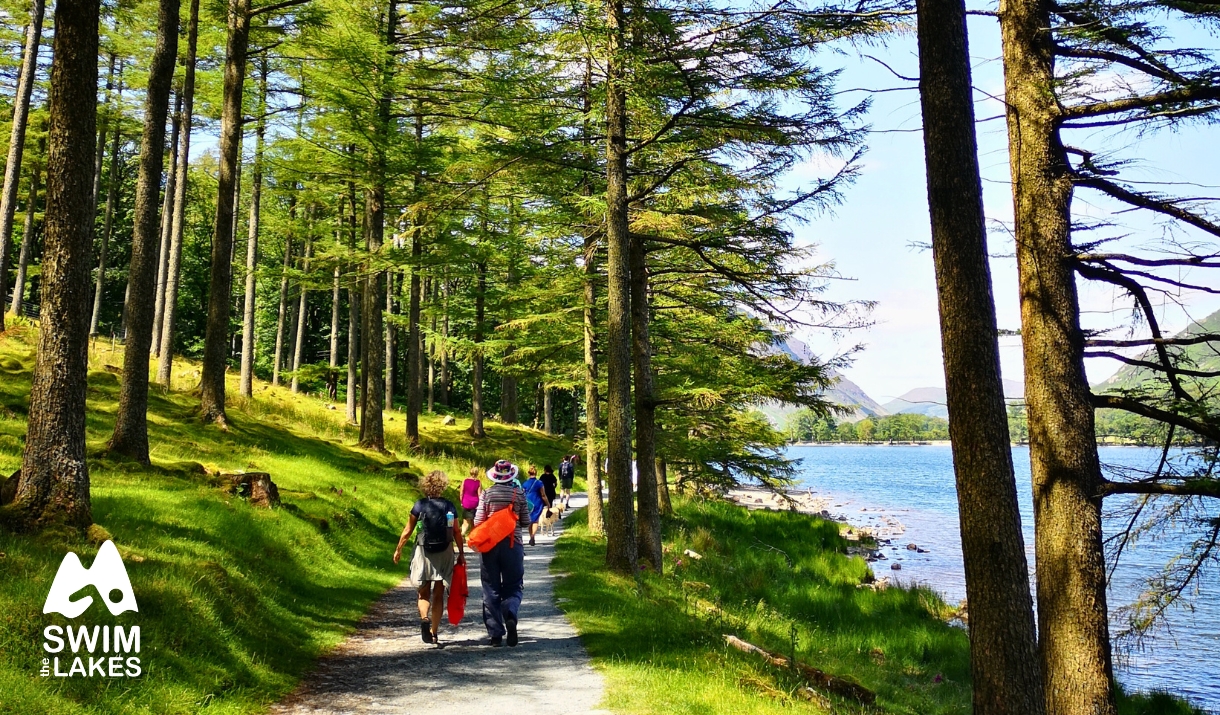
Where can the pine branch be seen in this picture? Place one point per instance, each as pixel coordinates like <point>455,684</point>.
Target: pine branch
<point>1197,487</point>
<point>1127,404</point>
<point>1183,95</point>
<point>1150,203</point>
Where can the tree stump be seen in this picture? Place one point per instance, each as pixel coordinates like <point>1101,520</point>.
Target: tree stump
<point>256,487</point>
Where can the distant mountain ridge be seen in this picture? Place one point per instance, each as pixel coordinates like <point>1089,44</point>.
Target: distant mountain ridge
<point>934,401</point>
<point>844,392</point>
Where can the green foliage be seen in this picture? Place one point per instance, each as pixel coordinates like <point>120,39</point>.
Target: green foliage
<point>807,426</point>
<point>765,577</point>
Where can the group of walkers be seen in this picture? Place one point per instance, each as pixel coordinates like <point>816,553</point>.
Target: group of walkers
<point>494,519</point>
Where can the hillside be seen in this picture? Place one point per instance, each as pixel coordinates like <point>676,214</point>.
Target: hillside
<point>1203,356</point>
<point>933,401</point>
<point>235,602</point>
<point>844,392</point>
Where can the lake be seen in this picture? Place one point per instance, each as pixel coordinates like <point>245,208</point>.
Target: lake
<point>876,486</point>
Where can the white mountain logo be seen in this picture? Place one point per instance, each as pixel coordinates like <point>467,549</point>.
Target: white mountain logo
<point>107,575</point>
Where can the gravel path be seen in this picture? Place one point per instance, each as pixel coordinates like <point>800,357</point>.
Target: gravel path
<point>386,668</point>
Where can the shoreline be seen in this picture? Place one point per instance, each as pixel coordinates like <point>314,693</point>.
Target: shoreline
<point>943,443</point>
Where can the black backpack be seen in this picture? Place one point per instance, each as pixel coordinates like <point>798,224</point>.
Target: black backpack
<point>566,470</point>
<point>434,526</point>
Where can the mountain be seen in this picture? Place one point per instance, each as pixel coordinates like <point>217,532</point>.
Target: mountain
<point>1206,357</point>
<point>933,402</point>
<point>930,401</point>
<point>844,392</point>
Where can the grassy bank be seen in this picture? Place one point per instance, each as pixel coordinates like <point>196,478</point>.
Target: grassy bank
<point>235,603</point>
<point>779,580</point>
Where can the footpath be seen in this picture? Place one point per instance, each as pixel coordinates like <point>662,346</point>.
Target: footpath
<point>385,667</point>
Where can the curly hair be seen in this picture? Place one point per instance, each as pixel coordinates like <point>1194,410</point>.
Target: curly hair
<point>434,484</point>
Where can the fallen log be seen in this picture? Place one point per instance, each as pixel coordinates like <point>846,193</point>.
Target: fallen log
<point>819,679</point>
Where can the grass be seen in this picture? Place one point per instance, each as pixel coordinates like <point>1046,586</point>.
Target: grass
<point>779,580</point>
<point>235,603</point>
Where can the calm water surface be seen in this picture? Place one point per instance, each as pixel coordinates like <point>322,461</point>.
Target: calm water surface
<point>880,485</point>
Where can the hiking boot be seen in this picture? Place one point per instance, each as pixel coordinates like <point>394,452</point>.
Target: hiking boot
<point>497,641</point>
<point>512,634</point>
<point>425,631</point>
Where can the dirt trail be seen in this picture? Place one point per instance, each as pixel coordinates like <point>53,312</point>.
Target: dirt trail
<point>386,668</point>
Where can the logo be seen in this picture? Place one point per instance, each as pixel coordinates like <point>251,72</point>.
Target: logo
<point>115,645</point>
<point>107,575</point>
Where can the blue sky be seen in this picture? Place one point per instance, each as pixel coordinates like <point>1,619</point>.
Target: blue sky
<point>870,236</point>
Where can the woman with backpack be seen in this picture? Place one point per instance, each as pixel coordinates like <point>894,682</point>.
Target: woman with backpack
<point>433,560</point>
<point>535,497</point>
<point>502,569</point>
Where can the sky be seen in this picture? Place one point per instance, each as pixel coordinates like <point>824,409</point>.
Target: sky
<point>872,237</point>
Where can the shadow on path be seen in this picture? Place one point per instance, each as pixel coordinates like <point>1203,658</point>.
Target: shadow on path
<point>386,668</point>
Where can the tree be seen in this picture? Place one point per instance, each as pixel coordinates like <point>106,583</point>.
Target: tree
<point>54,482</point>
<point>247,330</point>
<point>1003,642</point>
<point>131,425</point>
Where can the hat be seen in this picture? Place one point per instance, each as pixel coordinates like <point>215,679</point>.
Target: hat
<point>504,471</point>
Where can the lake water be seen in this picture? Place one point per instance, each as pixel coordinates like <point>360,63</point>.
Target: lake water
<point>876,486</point>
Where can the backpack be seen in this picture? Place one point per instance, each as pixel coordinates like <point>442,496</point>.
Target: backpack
<point>496,528</point>
<point>434,531</point>
<point>566,470</point>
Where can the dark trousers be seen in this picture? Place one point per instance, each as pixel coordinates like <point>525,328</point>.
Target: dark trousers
<point>503,576</point>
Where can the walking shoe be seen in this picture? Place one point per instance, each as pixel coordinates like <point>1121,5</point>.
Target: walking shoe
<point>512,634</point>
<point>425,631</point>
<point>497,641</point>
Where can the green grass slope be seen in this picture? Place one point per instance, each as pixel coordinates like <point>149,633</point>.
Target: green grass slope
<point>779,580</point>
<point>1203,357</point>
<point>235,602</point>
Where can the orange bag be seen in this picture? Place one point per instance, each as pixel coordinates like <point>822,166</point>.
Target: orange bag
<point>500,525</point>
<point>458,591</point>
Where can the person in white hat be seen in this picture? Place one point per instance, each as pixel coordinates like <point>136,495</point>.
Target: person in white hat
<point>503,567</point>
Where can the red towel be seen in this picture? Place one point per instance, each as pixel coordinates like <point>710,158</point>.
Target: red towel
<point>458,591</point>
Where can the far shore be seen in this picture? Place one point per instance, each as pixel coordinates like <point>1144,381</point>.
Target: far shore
<point>940,443</point>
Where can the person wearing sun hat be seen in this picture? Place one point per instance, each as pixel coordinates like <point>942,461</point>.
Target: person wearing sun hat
<point>502,569</point>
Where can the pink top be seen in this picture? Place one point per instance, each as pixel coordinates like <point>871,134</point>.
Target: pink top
<point>470,493</point>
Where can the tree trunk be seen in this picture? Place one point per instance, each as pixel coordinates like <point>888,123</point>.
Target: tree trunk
<point>548,410</point>
<point>16,145</point>
<point>112,189</point>
<point>332,378</point>
<point>281,320</point>
<point>372,429</point>
<point>620,516</point>
<point>666,505</point>
<point>215,362</point>
<point>256,193</point>
<point>354,299</point>
<point>476,379</point>
<point>298,350</point>
<point>101,137</point>
<point>27,237</point>
<point>54,482</point>
<point>648,523</point>
<point>167,226</point>
<point>593,457</point>
<point>390,342</point>
<point>509,399</point>
<point>173,271</point>
<point>131,424</point>
<point>1073,630</point>
<point>1003,647</point>
<point>414,354</point>
<point>445,376</point>
<point>432,352</point>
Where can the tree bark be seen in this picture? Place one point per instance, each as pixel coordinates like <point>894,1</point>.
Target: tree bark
<point>1073,630</point>
<point>353,315</point>
<point>54,482</point>
<point>100,157</point>
<point>281,320</point>
<point>390,342</point>
<point>332,378</point>
<point>1003,645</point>
<point>167,226</point>
<point>216,338</point>
<point>372,428</point>
<point>548,409</point>
<point>298,350</point>
<point>509,400</point>
<point>414,354</point>
<point>27,237</point>
<point>663,500</point>
<point>256,193</point>
<point>112,189</point>
<point>16,145</point>
<point>593,457</point>
<point>173,270</point>
<point>444,350</point>
<point>432,350</point>
<point>131,424</point>
<point>648,522</point>
<point>619,516</point>
<point>476,378</point>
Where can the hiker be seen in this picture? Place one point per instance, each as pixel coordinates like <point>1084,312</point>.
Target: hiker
<point>550,483</point>
<point>535,495</point>
<point>432,563</point>
<point>471,489</point>
<point>503,566</point>
<point>567,475</point>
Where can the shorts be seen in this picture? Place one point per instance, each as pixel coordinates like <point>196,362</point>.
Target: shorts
<point>437,566</point>
<point>566,484</point>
